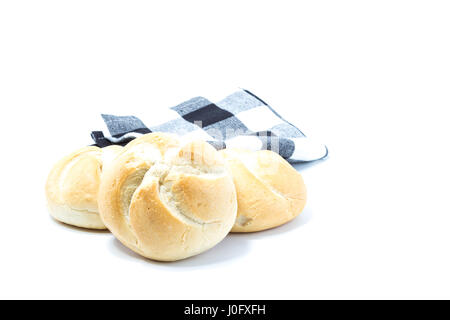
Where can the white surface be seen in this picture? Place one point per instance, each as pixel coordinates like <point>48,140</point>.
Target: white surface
<point>370,79</point>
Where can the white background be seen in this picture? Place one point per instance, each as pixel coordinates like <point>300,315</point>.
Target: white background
<point>370,79</point>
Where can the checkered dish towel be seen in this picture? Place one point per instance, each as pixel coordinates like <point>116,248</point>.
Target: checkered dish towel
<point>241,120</point>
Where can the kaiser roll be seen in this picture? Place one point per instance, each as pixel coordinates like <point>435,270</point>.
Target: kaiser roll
<point>269,190</point>
<point>73,183</point>
<point>168,201</point>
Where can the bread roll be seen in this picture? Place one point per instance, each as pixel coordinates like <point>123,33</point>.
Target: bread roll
<point>166,201</point>
<point>269,190</point>
<point>73,183</point>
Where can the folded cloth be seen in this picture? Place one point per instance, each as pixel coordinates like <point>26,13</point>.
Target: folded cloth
<point>241,120</point>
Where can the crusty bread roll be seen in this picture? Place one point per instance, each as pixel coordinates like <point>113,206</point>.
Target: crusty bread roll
<point>73,183</point>
<point>269,190</point>
<point>166,201</point>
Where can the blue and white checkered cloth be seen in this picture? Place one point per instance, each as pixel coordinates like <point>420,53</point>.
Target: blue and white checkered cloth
<point>241,120</point>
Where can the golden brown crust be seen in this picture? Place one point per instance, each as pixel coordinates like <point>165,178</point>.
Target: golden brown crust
<point>270,191</point>
<point>165,201</point>
<point>162,142</point>
<point>73,183</point>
